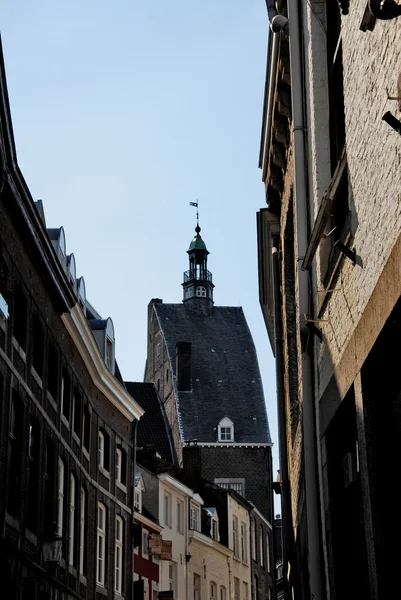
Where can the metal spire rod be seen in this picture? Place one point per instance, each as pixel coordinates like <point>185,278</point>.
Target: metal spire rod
<point>197,210</point>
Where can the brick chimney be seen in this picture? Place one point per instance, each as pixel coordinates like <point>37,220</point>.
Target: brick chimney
<point>183,366</point>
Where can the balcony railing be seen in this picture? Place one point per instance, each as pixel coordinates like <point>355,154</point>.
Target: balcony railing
<point>198,275</point>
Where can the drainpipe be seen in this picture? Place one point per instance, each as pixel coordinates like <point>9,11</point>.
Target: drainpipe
<point>308,408</point>
<point>286,520</point>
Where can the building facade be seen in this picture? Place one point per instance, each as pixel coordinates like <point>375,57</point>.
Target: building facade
<point>202,361</point>
<point>66,420</point>
<point>330,289</point>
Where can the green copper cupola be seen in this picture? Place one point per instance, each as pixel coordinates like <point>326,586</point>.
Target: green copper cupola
<point>198,281</point>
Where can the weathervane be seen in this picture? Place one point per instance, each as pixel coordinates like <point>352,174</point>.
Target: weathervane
<point>197,211</point>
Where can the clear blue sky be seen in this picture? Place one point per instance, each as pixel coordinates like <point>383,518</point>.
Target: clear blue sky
<point>123,113</point>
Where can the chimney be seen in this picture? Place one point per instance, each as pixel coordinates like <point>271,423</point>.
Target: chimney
<point>183,366</point>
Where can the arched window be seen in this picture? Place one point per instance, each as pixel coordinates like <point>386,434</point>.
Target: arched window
<point>201,291</point>
<point>226,430</point>
<point>213,591</point>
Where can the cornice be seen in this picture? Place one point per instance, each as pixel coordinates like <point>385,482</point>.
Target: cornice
<point>148,522</point>
<point>78,327</point>
<point>201,538</point>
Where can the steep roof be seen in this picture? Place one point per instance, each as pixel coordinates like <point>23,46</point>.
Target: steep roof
<point>226,380</point>
<point>153,427</point>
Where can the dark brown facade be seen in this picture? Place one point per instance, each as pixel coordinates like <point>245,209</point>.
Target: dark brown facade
<point>66,436</point>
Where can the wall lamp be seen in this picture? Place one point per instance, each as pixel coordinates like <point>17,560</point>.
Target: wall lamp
<point>385,9</point>
<point>351,254</point>
<point>188,556</point>
<point>392,121</point>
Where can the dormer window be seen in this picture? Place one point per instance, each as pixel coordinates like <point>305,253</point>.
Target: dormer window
<point>226,430</point>
<point>139,489</point>
<point>201,292</point>
<point>103,331</point>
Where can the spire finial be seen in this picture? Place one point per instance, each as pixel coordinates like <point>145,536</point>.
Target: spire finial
<point>197,228</point>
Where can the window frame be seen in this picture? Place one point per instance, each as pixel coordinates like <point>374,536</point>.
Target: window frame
<point>235,536</point>
<point>167,509</point>
<point>71,522</point>
<point>101,545</point>
<point>261,547</point>
<point>194,517</point>
<point>145,543</point>
<point>82,531</point>
<point>244,545</point>
<point>118,555</point>
<point>180,516</point>
<point>60,496</point>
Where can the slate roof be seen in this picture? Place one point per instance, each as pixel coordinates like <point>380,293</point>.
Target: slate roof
<point>226,380</point>
<point>153,427</point>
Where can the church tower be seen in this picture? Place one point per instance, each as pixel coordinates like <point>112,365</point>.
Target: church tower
<point>198,281</point>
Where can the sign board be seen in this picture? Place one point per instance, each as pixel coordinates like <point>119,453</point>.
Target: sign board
<point>159,547</point>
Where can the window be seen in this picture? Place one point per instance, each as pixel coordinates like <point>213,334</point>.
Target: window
<point>86,428</point>
<point>194,517</point>
<point>52,370</point>
<point>180,516</point>
<point>145,543</point>
<point>101,544</point>
<point>104,446</point>
<point>335,83</point>
<point>213,591</point>
<point>215,530</point>
<point>261,546</point>
<point>268,553</point>
<point>77,408</point>
<point>138,500</point>
<point>244,545</point>
<point>167,510</point>
<point>237,595</point>
<point>223,593</point>
<point>37,345</point>
<point>167,374</point>
<point>109,354</point>
<point>172,577</point>
<point>71,529</point>
<point>254,539</point>
<point>20,316</point>
<point>49,483</point>
<point>158,349</point>
<point>15,439</point>
<point>256,587</point>
<point>245,591</point>
<point>238,485</point>
<point>158,385</point>
<point>65,396</point>
<point>121,466</point>
<point>201,292</point>
<point>33,474</point>
<point>118,576</point>
<point>226,430</point>
<point>60,497</point>
<point>82,534</point>
<point>235,537</point>
<point>197,587</point>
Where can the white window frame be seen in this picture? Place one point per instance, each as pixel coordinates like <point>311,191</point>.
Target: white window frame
<point>82,531</point>
<point>180,515</point>
<point>261,547</point>
<point>225,431</point>
<point>60,497</point>
<point>119,464</point>
<point>71,524</point>
<point>101,544</point>
<point>194,519</point>
<point>138,499</point>
<point>223,593</point>
<point>237,589</point>
<point>167,509</point>
<point>235,537</point>
<point>172,577</point>
<point>244,545</point>
<point>215,530</point>
<point>145,543</point>
<point>118,556</point>
<point>213,590</point>
<point>268,565</point>
<point>201,291</point>
<point>197,592</point>
<point>101,448</point>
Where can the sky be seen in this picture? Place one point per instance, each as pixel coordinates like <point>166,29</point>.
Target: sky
<point>124,112</point>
